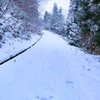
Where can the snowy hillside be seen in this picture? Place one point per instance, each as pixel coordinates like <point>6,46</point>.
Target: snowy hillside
<point>17,26</point>
<point>14,38</point>
<point>14,46</point>
<point>51,70</point>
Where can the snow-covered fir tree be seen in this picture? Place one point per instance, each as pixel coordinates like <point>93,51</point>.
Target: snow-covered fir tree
<point>54,19</point>
<point>60,23</point>
<point>72,29</point>
<point>47,20</point>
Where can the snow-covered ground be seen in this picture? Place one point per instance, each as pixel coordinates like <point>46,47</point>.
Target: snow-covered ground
<point>51,70</point>
<point>13,46</point>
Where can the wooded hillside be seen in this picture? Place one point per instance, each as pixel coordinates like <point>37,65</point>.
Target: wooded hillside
<point>83,25</point>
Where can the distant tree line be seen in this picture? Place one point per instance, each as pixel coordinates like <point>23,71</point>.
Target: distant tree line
<point>54,21</point>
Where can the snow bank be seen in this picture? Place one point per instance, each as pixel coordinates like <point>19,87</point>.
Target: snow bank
<point>14,46</point>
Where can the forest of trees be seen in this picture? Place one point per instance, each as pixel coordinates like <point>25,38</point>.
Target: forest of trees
<point>83,25</point>
<point>55,21</point>
<point>19,18</point>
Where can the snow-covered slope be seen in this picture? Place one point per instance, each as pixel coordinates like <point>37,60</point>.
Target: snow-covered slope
<point>51,70</point>
<point>14,46</point>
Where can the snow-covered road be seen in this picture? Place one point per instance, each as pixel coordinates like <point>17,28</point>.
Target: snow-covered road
<point>51,70</point>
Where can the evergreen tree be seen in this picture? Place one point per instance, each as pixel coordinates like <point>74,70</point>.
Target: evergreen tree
<point>72,28</point>
<point>60,22</point>
<point>54,19</point>
<point>57,20</point>
<point>47,20</point>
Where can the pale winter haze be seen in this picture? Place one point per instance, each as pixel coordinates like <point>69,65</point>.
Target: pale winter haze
<point>63,3</point>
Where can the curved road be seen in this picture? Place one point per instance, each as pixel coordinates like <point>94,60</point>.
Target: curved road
<point>51,70</point>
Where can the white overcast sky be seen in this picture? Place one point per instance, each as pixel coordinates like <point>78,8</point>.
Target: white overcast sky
<point>61,3</point>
